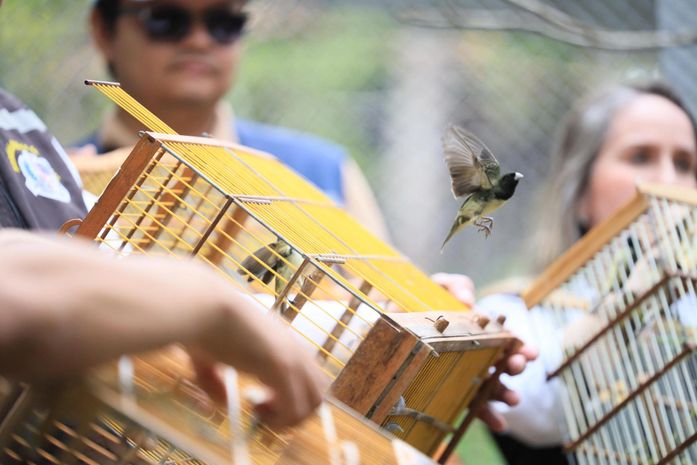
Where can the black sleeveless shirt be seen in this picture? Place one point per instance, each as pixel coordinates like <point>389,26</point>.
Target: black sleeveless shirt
<point>39,187</point>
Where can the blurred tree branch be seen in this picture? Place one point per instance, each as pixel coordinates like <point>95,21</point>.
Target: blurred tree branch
<point>538,17</point>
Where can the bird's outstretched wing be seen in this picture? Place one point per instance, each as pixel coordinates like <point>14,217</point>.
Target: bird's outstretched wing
<point>471,164</point>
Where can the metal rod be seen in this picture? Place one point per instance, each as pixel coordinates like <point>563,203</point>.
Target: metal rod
<point>212,226</point>
<point>345,319</point>
<point>673,453</point>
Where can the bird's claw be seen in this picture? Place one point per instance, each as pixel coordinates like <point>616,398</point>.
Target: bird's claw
<point>485,229</point>
<point>485,225</point>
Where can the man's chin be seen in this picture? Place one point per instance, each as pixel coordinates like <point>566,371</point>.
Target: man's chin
<point>196,93</point>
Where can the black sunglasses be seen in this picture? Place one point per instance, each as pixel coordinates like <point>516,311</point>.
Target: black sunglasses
<point>171,23</point>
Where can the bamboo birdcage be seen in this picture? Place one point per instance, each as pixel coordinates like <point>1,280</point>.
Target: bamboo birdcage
<point>221,202</point>
<point>625,297</point>
<point>148,410</point>
<point>97,170</point>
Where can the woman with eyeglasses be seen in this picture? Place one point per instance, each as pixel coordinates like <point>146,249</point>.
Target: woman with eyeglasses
<point>609,141</point>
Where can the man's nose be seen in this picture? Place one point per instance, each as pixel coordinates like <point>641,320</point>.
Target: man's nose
<point>198,36</point>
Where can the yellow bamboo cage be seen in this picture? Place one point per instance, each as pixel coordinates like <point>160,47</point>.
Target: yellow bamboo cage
<point>148,410</point>
<point>625,298</point>
<point>385,333</point>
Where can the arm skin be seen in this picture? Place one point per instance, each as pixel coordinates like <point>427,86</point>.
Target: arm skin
<point>65,307</point>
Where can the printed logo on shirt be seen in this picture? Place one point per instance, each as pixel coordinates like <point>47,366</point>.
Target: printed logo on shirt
<point>39,176</point>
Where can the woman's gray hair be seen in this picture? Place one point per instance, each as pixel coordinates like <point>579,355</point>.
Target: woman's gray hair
<point>578,142</point>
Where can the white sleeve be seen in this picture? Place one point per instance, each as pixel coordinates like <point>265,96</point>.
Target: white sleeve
<point>538,419</point>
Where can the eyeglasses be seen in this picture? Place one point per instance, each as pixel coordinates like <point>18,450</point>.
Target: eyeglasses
<point>171,23</point>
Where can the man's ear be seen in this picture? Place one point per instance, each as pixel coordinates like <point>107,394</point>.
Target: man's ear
<point>101,34</point>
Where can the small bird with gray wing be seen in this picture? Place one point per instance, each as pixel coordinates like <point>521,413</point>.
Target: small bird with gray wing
<point>475,173</point>
<point>275,260</point>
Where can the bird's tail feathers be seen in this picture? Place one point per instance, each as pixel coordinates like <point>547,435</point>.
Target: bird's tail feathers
<point>453,230</point>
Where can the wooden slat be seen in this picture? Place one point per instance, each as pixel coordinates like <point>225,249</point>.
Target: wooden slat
<point>372,367</point>
<point>117,189</point>
<point>345,319</point>
<point>402,383</point>
<point>560,270</point>
<point>673,193</point>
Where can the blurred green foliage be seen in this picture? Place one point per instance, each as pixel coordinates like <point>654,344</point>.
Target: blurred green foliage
<point>326,79</point>
<point>478,447</point>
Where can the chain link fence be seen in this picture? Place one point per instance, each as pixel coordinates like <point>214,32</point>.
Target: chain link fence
<point>384,78</point>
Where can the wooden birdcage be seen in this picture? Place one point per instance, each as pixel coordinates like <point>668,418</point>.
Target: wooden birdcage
<point>148,410</point>
<point>625,299</point>
<point>385,333</point>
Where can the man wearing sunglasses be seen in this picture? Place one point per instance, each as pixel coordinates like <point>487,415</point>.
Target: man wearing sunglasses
<point>179,58</point>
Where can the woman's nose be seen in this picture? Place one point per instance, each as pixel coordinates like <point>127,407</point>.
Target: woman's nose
<point>665,172</point>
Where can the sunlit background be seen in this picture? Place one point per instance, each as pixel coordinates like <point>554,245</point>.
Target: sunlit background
<point>384,78</point>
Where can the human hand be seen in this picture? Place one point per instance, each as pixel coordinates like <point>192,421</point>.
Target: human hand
<point>258,345</point>
<point>298,387</point>
<point>459,285</point>
<point>514,364</point>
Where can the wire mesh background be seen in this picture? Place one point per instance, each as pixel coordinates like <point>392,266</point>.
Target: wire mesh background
<point>384,78</point>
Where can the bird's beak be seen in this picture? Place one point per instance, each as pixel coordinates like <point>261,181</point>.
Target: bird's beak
<point>518,176</point>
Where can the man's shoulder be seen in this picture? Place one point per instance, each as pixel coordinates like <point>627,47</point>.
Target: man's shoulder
<point>90,139</point>
<point>17,116</point>
<point>287,143</point>
<point>9,101</point>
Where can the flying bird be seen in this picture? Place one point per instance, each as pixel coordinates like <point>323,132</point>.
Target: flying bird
<point>475,173</point>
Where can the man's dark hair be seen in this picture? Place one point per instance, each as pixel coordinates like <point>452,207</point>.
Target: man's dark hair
<point>109,11</point>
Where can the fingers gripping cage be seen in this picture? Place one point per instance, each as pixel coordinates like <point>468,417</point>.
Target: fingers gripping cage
<point>149,410</point>
<point>625,299</point>
<point>302,257</point>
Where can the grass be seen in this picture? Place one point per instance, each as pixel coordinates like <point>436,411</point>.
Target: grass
<point>478,447</point>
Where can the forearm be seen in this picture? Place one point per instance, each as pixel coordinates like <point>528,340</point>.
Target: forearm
<point>66,307</point>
